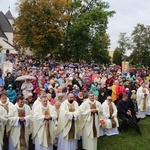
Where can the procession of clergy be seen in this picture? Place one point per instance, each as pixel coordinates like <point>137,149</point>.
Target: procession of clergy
<point>62,126</point>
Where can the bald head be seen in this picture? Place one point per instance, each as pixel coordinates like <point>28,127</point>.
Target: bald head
<point>57,105</point>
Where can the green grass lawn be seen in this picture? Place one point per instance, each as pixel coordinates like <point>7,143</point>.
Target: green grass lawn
<point>129,140</point>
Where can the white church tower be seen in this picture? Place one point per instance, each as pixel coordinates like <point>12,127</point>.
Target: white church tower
<point>10,17</point>
<point>6,32</point>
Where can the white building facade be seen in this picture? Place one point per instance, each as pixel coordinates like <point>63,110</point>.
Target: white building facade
<point>6,33</point>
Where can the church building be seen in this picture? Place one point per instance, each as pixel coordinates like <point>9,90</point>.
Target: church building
<point>6,33</point>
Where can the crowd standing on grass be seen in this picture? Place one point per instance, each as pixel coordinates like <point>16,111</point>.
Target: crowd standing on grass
<point>58,104</point>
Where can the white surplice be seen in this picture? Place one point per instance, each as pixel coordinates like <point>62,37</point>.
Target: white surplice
<point>64,126</point>
<point>3,121</point>
<point>14,124</point>
<point>106,115</point>
<point>140,101</point>
<point>39,127</point>
<point>89,142</point>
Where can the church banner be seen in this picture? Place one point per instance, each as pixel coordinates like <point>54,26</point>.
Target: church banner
<point>7,67</point>
<point>125,66</point>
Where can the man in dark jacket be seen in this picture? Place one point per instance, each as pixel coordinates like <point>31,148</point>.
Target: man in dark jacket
<point>125,112</point>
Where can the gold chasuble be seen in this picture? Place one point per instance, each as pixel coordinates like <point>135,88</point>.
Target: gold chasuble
<point>23,145</point>
<point>45,112</point>
<point>71,135</point>
<point>144,103</point>
<point>57,111</point>
<point>113,122</point>
<point>93,106</point>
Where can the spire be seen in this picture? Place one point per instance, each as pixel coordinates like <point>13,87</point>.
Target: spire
<point>9,15</point>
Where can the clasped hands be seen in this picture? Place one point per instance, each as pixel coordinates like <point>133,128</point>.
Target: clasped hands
<point>94,110</point>
<point>22,119</point>
<point>47,117</point>
<point>112,117</point>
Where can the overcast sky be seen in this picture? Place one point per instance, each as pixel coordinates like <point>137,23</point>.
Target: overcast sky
<point>128,14</point>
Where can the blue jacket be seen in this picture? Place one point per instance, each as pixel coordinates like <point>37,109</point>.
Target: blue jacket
<point>1,81</point>
<point>11,95</point>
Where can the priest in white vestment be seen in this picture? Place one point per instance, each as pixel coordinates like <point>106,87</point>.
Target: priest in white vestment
<point>3,121</point>
<point>91,112</point>
<point>38,100</point>
<point>10,109</point>
<point>20,126</point>
<point>57,109</point>
<point>110,117</point>
<point>143,97</point>
<point>36,103</point>
<point>67,128</point>
<point>44,125</point>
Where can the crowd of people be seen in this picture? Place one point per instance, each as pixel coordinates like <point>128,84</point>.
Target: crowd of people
<point>57,105</point>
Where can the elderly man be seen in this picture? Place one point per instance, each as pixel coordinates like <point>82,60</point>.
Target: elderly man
<point>110,117</point>
<point>43,125</point>
<point>10,110</point>
<point>35,104</point>
<point>67,124</point>
<point>38,100</point>
<point>91,111</point>
<point>143,97</point>
<point>30,100</point>
<point>57,108</point>
<point>125,112</point>
<point>3,121</point>
<point>20,126</point>
<point>60,97</point>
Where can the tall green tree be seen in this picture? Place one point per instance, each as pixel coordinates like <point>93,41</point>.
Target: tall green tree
<point>99,51</point>
<point>40,25</point>
<point>140,45</point>
<point>86,37</point>
<point>71,29</point>
<point>121,49</point>
<point>117,56</point>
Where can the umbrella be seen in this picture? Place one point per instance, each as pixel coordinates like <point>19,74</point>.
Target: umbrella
<point>71,66</point>
<point>85,65</point>
<point>96,69</point>
<point>133,124</point>
<point>118,67</point>
<point>25,77</point>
